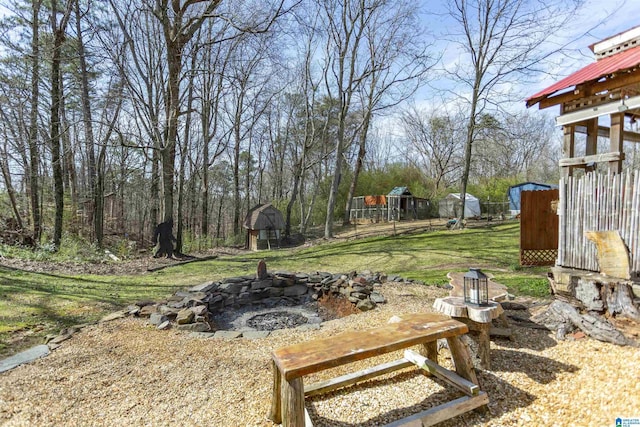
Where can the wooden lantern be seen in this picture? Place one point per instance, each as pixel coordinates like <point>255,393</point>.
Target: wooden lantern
<point>476,287</point>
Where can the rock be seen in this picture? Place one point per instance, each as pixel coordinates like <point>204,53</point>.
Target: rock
<point>233,280</point>
<point>178,305</point>
<point>295,290</point>
<point>377,297</point>
<point>157,319</point>
<point>232,287</point>
<point>261,272</point>
<point>168,311</point>
<point>113,316</point>
<point>144,303</point>
<point>315,278</point>
<point>366,305</point>
<point>283,282</point>
<point>202,334</point>
<point>147,310</point>
<point>508,305</point>
<point>285,274</point>
<point>312,320</point>
<point>276,292</point>
<point>60,338</point>
<point>252,335</point>
<point>359,281</point>
<point>185,316</point>
<point>194,327</point>
<point>164,325</point>
<point>199,310</point>
<point>359,295</point>
<point>228,334</point>
<point>261,284</point>
<point>204,287</point>
<point>24,357</point>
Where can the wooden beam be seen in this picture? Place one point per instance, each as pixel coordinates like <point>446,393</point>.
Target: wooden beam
<point>616,140</point>
<point>605,132</point>
<point>597,158</point>
<point>592,137</point>
<point>451,378</point>
<point>568,148</point>
<point>355,377</point>
<point>613,83</point>
<point>445,411</point>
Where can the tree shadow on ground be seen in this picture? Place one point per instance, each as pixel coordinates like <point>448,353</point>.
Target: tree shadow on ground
<point>540,369</point>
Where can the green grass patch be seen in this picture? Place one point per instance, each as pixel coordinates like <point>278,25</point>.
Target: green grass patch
<point>35,304</point>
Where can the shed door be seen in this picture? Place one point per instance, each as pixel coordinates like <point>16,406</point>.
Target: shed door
<point>538,227</point>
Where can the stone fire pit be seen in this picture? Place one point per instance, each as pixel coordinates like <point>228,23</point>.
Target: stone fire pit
<point>256,305</point>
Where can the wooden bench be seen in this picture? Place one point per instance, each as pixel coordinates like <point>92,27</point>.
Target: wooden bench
<point>292,363</point>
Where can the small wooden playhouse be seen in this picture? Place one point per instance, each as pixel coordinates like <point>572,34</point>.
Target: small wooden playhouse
<point>264,224</point>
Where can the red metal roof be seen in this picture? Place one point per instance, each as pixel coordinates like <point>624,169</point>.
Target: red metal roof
<point>611,64</point>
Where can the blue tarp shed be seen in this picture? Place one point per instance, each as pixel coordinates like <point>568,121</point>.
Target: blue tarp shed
<point>515,190</point>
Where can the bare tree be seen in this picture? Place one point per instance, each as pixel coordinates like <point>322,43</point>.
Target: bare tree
<point>398,63</point>
<point>435,144</point>
<point>502,40</point>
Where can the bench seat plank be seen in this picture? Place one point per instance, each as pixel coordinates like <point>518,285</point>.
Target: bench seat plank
<point>305,358</point>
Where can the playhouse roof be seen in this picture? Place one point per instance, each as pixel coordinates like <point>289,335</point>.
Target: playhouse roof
<point>264,217</point>
<point>400,191</point>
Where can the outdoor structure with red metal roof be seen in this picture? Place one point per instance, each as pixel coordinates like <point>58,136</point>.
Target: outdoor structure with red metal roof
<point>598,211</point>
<point>598,190</point>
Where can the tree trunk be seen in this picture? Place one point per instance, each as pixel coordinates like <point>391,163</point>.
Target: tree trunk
<point>34,154</point>
<point>154,190</point>
<point>362,151</point>
<point>183,155</point>
<point>88,135</point>
<point>471,130</point>
<point>56,163</point>
<point>70,175</point>
<point>335,181</point>
<point>9,186</point>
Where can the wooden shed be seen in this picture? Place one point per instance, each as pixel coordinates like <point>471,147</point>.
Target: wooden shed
<point>264,224</point>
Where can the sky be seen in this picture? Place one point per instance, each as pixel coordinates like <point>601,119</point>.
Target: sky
<point>596,20</point>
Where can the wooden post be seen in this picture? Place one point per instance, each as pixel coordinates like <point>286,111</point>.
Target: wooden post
<point>484,348</point>
<point>616,140</point>
<point>275,413</point>
<point>592,140</point>
<point>568,149</point>
<point>293,403</point>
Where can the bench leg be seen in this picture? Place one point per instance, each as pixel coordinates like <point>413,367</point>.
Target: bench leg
<point>464,367</point>
<point>430,351</point>
<point>275,414</point>
<point>293,403</point>
<point>462,359</point>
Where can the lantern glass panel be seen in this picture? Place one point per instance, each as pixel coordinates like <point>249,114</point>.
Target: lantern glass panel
<point>476,287</point>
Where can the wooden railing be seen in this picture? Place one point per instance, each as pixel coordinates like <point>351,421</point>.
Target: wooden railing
<point>598,202</point>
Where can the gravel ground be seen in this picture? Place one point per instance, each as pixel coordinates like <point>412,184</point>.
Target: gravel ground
<point>128,373</point>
